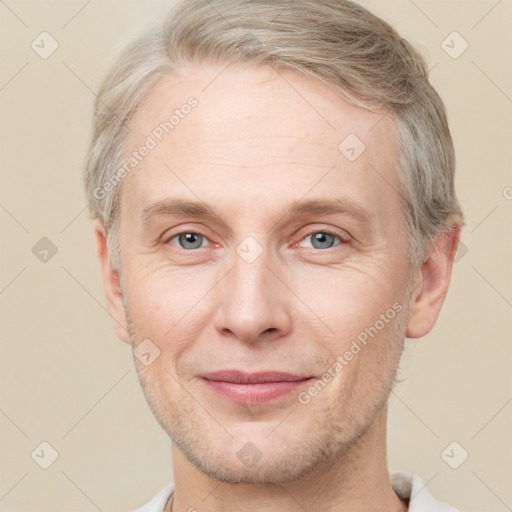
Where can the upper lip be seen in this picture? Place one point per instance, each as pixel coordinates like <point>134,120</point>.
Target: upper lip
<point>240,377</point>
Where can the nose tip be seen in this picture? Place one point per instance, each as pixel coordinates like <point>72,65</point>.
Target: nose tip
<point>252,305</point>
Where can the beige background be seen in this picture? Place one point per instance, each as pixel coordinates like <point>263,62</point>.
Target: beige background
<point>67,380</point>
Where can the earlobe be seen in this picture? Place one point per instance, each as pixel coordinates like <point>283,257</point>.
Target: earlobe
<point>431,284</point>
<point>111,285</point>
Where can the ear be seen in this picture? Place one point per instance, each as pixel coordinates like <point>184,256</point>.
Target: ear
<point>431,282</point>
<point>110,284</point>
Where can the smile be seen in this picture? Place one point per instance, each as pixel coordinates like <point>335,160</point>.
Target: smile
<point>253,388</point>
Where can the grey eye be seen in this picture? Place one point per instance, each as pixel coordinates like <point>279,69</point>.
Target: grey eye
<point>322,239</point>
<point>189,240</point>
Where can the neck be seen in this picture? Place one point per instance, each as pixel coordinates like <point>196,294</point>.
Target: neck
<point>357,480</point>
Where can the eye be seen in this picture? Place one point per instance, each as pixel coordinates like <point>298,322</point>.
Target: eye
<point>322,239</point>
<point>188,240</point>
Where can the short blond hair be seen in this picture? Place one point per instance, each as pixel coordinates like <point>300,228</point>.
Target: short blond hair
<point>335,41</point>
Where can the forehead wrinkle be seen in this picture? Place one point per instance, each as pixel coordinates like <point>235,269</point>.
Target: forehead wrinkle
<point>251,166</point>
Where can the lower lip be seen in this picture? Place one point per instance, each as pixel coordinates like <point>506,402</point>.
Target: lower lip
<point>253,393</point>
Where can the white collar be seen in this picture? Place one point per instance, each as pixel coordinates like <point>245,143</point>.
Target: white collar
<point>407,485</point>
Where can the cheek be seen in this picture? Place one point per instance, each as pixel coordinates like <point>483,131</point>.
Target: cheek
<point>347,301</point>
<point>170,306</point>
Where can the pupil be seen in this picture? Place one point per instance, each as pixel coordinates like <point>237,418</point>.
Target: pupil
<point>322,239</point>
<point>189,238</point>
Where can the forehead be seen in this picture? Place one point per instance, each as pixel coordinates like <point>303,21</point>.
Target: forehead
<point>269,101</point>
<point>258,129</point>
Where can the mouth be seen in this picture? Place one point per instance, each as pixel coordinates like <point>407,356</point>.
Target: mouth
<point>253,388</point>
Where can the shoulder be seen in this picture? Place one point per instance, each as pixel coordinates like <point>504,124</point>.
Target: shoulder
<point>158,501</point>
<point>412,488</point>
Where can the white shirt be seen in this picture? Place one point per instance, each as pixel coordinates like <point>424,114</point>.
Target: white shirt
<point>405,484</point>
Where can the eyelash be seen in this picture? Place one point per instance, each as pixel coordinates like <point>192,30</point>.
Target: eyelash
<point>325,231</point>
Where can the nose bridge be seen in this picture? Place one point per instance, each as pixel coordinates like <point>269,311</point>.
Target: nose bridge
<point>251,273</point>
<point>252,302</point>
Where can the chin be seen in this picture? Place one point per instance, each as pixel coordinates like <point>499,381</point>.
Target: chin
<point>273,463</point>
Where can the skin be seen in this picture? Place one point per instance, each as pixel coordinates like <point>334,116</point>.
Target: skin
<point>258,141</point>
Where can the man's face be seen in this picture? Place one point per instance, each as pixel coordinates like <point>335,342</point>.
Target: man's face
<point>260,286</point>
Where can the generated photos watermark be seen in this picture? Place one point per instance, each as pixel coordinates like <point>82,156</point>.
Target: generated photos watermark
<point>356,346</point>
<point>156,136</point>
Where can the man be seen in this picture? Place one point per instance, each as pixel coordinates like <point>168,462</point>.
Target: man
<point>271,185</point>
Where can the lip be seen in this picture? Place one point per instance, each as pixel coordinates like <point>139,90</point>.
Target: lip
<point>253,388</point>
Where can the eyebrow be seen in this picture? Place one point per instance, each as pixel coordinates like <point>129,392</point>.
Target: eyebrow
<point>182,208</point>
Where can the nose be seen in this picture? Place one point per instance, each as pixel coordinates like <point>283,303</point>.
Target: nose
<point>254,303</point>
